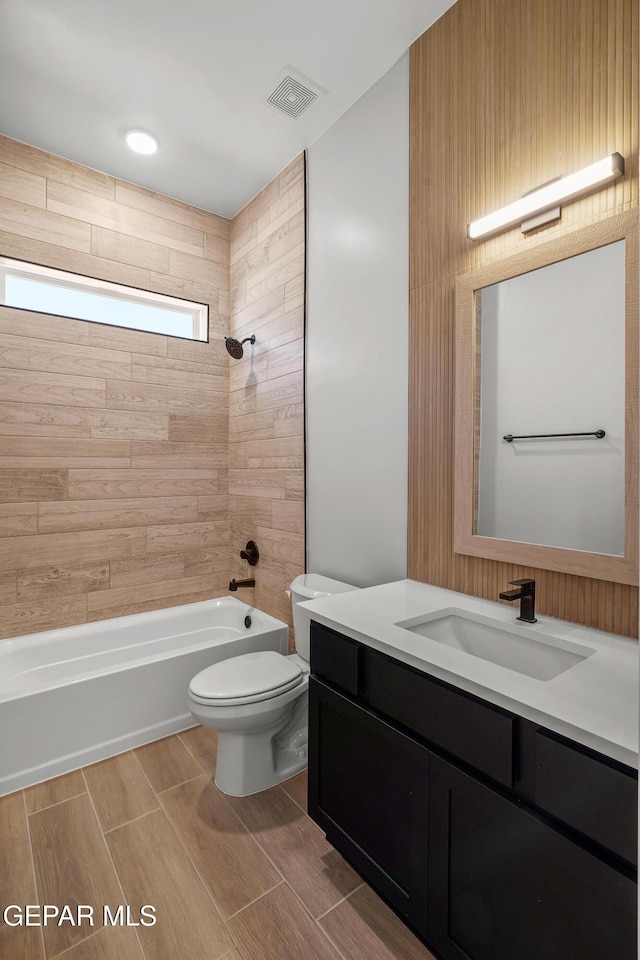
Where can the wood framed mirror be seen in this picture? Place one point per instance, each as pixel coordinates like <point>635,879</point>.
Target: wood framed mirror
<point>546,420</point>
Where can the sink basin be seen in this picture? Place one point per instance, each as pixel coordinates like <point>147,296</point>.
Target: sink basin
<point>534,654</point>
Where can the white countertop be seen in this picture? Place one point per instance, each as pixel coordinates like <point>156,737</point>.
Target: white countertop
<point>594,703</point>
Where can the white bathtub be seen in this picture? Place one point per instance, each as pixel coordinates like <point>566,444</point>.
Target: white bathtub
<point>73,696</point>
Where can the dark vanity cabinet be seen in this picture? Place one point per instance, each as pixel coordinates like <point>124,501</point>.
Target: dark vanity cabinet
<point>492,837</point>
<point>360,806</point>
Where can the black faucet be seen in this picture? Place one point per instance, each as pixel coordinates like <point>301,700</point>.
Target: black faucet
<point>234,584</point>
<point>527,597</point>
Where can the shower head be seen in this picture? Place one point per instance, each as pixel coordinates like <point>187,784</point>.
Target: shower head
<point>234,347</point>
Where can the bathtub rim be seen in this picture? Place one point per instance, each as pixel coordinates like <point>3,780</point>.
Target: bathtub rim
<point>121,624</point>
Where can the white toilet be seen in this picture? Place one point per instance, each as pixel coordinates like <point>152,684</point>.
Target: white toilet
<point>258,702</point>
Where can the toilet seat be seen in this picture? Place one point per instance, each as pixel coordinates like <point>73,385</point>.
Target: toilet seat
<point>248,678</point>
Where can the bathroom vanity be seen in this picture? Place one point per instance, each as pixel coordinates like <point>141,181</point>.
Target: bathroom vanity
<point>494,809</point>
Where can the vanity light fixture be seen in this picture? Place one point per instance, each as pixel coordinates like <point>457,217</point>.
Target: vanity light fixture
<point>141,142</point>
<point>545,198</point>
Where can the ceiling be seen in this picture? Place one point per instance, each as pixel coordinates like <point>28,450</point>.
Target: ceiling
<point>76,74</point>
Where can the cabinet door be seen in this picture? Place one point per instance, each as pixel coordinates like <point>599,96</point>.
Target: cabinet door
<point>368,792</point>
<point>505,884</point>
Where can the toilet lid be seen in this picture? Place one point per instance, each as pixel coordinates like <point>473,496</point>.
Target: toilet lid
<point>256,676</point>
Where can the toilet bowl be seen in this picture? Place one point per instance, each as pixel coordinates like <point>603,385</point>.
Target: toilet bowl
<point>258,703</point>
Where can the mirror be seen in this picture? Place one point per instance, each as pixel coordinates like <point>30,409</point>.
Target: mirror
<point>546,405</point>
<point>548,368</point>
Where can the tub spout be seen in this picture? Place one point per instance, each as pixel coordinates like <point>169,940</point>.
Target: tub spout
<point>234,584</point>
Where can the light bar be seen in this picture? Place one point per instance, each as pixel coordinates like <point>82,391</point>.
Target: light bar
<point>550,196</point>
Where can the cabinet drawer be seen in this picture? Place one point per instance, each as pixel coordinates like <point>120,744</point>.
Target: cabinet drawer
<point>595,796</point>
<point>472,731</point>
<point>335,658</point>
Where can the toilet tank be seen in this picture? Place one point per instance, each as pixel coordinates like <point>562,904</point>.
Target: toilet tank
<point>310,586</point>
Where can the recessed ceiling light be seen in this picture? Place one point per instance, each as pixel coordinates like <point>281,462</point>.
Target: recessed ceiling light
<point>141,142</point>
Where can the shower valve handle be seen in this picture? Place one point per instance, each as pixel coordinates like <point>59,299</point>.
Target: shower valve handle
<point>250,553</point>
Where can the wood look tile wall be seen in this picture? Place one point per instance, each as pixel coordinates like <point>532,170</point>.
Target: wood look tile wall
<point>505,95</point>
<point>114,449</point>
<point>266,418</point>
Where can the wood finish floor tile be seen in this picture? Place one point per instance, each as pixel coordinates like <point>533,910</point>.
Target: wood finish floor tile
<point>55,791</point>
<point>202,855</point>
<point>72,866</point>
<point>364,926</point>
<point>167,763</point>
<point>110,943</point>
<point>297,847</point>
<point>120,790</point>
<point>297,788</point>
<point>226,856</point>
<point>203,744</point>
<point>154,869</point>
<point>277,927</point>
<point>17,879</point>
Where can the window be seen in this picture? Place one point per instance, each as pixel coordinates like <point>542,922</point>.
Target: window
<point>44,290</point>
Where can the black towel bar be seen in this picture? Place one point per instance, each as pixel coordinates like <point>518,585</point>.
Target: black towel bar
<point>509,437</point>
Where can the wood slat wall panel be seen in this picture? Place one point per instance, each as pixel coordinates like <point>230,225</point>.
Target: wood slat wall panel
<point>505,95</point>
<point>267,259</point>
<point>114,441</point>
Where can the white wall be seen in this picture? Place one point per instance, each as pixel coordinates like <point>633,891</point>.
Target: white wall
<point>357,333</point>
<point>553,362</point>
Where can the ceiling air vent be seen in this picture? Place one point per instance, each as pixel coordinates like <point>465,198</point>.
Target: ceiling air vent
<point>293,93</point>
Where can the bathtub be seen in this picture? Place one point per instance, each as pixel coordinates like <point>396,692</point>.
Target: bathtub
<point>73,696</point>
